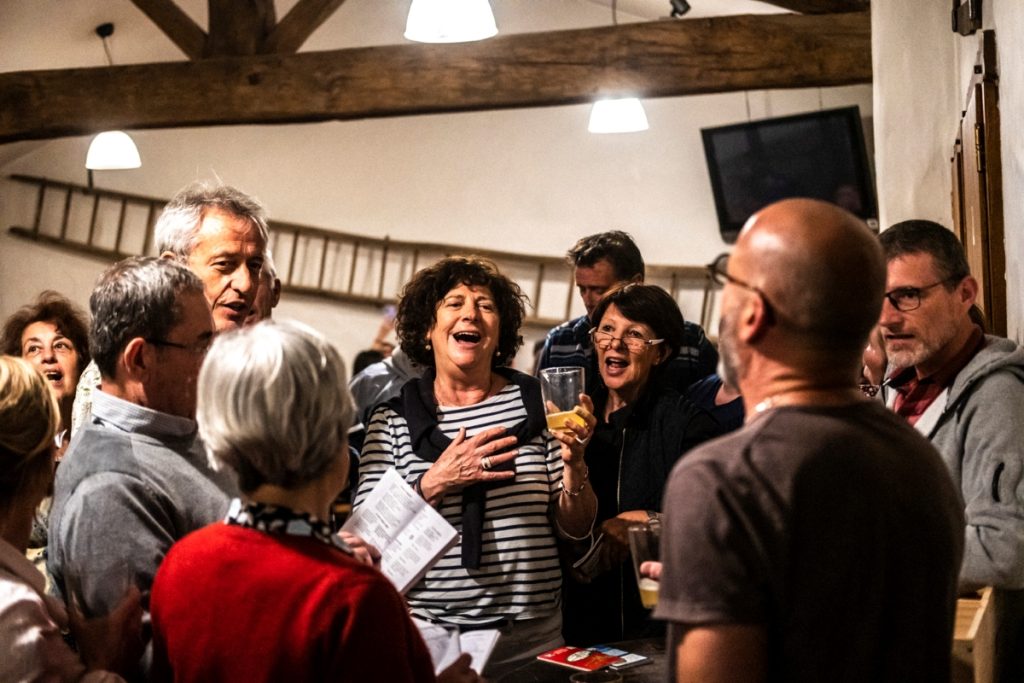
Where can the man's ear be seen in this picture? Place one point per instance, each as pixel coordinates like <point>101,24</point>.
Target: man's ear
<point>169,255</point>
<point>968,291</point>
<point>755,319</point>
<point>275,293</point>
<point>137,359</point>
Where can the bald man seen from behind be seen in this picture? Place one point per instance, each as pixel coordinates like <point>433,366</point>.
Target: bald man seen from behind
<point>820,542</point>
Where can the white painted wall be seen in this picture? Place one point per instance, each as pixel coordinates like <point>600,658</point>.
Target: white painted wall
<point>530,180</point>
<point>1007,17</point>
<point>921,73</point>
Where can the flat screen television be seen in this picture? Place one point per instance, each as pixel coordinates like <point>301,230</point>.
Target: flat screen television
<point>819,155</point>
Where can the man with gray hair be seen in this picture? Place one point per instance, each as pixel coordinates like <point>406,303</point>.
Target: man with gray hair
<point>221,234</point>
<point>136,479</point>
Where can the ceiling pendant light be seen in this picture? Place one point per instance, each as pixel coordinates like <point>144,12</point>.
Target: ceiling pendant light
<point>113,149</point>
<point>622,115</point>
<point>450,21</point>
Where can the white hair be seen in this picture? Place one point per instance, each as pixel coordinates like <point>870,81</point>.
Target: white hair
<point>274,404</point>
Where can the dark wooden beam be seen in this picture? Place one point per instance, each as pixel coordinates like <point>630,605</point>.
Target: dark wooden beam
<point>821,6</point>
<point>655,59</point>
<point>298,25</point>
<point>177,25</point>
<point>239,27</point>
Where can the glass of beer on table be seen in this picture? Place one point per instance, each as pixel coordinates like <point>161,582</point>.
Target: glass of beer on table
<point>561,389</point>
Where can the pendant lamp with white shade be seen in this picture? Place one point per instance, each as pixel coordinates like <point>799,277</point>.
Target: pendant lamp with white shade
<point>113,149</point>
<point>450,21</point>
<point>621,115</point>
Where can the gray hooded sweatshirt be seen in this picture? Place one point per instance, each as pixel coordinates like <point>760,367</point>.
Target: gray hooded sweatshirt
<point>978,427</point>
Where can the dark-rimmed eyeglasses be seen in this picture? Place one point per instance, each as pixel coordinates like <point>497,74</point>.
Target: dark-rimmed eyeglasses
<point>717,271</point>
<point>198,348</point>
<point>719,274</point>
<point>905,299</point>
<point>636,344</point>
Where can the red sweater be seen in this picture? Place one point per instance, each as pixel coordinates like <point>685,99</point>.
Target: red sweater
<point>235,604</point>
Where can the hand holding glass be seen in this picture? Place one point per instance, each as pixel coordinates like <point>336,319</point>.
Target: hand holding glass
<point>644,541</point>
<point>561,389</point>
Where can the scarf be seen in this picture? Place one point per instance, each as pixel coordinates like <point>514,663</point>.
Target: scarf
<point>418,406</point>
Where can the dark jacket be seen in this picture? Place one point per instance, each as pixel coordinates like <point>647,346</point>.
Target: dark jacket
<point>655,431</point>
<point>629,460</point>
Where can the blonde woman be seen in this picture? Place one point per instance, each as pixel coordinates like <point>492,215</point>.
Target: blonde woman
<point>30,621</point>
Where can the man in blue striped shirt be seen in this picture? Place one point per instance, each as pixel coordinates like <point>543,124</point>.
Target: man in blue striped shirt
<point>599,263</point>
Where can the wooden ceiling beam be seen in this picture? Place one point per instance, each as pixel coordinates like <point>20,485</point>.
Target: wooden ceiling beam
<point>654,59</point>
<point>239,27</point>
<point>298,25</point>
<point>176,25</point>
<point>822,6</point>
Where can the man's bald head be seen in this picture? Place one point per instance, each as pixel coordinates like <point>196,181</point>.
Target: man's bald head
<point>821,269</point>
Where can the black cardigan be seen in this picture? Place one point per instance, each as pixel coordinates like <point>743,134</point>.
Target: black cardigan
<point>651,435</point>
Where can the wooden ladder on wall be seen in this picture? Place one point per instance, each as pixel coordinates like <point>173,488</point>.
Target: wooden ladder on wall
<point>327,264</point>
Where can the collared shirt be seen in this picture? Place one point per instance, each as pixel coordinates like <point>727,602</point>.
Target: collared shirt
<point>276,519</point>
<point>88,382</point>
<point>914,395</point>
<point>129,417</point>
<point>134,481</point>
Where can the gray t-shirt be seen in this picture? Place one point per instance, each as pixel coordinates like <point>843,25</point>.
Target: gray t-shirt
<point>836,529</point>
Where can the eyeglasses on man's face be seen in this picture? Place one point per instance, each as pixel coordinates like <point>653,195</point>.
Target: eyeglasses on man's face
<point>632,339</point>
<point>197,348</point>
<point>905,299</point>
<point>718,270</point>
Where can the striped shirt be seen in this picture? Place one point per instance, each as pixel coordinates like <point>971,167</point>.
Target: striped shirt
<point>519,576</point>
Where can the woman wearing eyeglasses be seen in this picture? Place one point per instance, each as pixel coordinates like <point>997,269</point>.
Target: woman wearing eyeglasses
<point>644,427</point>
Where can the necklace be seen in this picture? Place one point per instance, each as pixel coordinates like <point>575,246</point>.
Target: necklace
<point>766,404</point>
<point>828,398</point>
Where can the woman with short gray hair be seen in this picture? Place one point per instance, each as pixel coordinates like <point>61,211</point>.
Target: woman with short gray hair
<point>273,408</point>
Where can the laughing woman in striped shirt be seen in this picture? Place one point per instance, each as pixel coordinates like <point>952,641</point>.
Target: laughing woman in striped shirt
<point>470,436</point>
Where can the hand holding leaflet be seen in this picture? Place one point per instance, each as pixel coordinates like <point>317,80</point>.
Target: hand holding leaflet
<point>446,644</point>
<point>410,534</point>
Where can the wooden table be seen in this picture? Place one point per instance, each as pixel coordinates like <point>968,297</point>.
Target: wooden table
<point>654,671</point>
<point>974,639</point>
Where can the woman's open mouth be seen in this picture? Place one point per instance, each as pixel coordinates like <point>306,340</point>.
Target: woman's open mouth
<point>615,366</point>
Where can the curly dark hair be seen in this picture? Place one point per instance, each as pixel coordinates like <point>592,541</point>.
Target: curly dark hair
<point>650,305</point>
<point>417,308</point>
<point>50,307</point>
